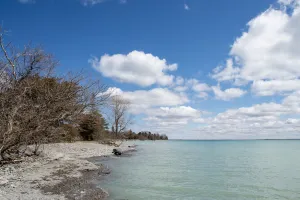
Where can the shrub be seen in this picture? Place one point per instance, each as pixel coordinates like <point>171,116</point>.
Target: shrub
<point>91,126</point>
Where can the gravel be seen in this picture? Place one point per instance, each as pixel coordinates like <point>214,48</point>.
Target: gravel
<point>38,178</point>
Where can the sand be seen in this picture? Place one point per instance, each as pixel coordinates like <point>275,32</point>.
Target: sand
<point>60,172</point>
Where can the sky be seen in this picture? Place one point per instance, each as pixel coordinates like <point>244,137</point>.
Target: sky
<point>192,69</point>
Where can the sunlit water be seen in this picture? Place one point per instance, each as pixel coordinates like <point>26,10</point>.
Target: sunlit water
<point>207,170</point>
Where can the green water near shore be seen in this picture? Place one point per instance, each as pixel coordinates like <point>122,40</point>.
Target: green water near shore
<point>207,170</point>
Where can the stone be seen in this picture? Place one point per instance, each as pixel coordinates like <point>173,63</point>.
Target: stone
<point>3,181</point>
<point>117,152</point>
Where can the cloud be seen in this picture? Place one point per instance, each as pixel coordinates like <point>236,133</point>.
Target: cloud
<point>178,112</point>
<point>91,2</point>
<point>142,100</point>
<point>227,94</point>
<point>199,88</point>
<point>112,91</point>
<point>268,52</point>
<point>259,110</point>
<point>289,2</point>
<point>260,121</point>
<point>163,110</point>
<point>155,97</point>
<point>202,95</point>
<point>179,80</point>
<point>266,120</point>
<point>171,116</point>
<point>27,1</point>
<point>272,87</point>
<point>228,73</point>
<point>136,67</point>
<point>166,116</point>
<point>181,88</point>
<point>186,7</point>
<point>123,1</point>
<point>292,102</point>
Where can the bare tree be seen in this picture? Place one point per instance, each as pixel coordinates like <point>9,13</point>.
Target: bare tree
<point>119,114</point>
<point>34,103</point>
<point>16,65</point>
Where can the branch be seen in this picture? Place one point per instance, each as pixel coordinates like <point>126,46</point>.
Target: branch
<point>7,57</point>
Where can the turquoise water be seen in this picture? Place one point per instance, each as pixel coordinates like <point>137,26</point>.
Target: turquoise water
<point>207,170</point>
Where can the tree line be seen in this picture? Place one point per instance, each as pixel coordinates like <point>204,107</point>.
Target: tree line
<point>37,106</point>
<point>144,135</point>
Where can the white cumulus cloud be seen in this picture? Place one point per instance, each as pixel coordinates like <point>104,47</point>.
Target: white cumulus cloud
<point>268,52</point>
<point>136,67</point>
<point>227,94</point>
<point>166,116</point>
<point>199,88</point>
<point>142,100</point>
<point>266,120</point>
<point>272,87</point>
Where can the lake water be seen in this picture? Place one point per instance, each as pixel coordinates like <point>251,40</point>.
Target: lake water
<point>207,170</point>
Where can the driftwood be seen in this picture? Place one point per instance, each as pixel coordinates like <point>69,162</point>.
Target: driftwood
<point>117,152</point>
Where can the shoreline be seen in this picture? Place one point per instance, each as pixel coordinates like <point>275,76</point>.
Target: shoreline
<point>62,171</point>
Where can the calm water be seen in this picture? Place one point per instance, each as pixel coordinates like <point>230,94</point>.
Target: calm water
<point>207,170</point>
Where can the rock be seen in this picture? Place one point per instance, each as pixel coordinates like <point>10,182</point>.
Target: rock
<point>105,170</point>
<point>28,152</point>
<point>117,152</point>
<point>3,181</point>
<point>58,156</point>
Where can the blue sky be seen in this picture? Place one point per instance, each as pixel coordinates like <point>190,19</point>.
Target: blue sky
<point>206,69</point>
